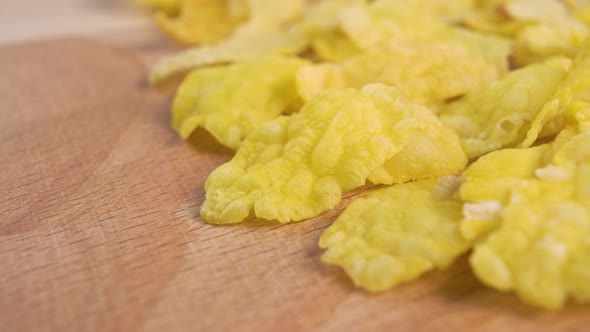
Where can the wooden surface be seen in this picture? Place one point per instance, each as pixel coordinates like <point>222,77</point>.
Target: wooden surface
<point>33,19</point>
<point>99,226</point>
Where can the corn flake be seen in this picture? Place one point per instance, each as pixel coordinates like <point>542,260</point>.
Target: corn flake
<point>203,21</point>
<point>395,234</point>
<point>540,246</point>
<point>410,66</point>
<point>541,41</point>
<point>297,166</point>
<point>445,9</point>
<point>231,101</point>
<point>571,101</point>
<point>488,183</point>
<point>268,32</point>
<point>500,114</point>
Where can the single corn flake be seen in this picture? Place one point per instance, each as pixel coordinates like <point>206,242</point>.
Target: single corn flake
<point>399,45</point>
<point>230,101</point>
<point>203,21</point>
<point>384,21</point>
<point>333,46</point>
<point>570,104</point>
<point>376,23</point>
<point>395,234</point>
<point>267,32</point>
<point>298,166</point>
<point>540,246</point>
<point>509,17</point>
<point>327,40</point>
<point>425,72</point>
<point>499,115</point>
<point>238,48</point>
<point>544,40</point>
<point>488,185</point>
<point>447,10</point>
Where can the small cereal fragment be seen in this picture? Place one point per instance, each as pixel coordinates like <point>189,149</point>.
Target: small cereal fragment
<point>298,166</point>
<point>499,115</point>
<point>230,101</point>
<point>395,234</point>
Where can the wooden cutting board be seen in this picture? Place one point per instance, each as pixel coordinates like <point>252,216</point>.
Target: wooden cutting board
<point>99,225</point>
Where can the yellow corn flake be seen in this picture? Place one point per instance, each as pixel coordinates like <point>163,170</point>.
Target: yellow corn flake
<point>242,47</point>
<point>500,114</point>
<point>448,10</point>
<point>540,247</point>
<point>581,11</point>
<point>430,151</point>
<point>379,22</point>
<point>551,31</point>
<point>541,28</point>
<point>385,20</point>
<point>488,184</point>
<point>535,10</point>
<point>490,17</point>
<point>203,21</point>
<point>333,46</point>
<point>231,101</point>
<point>267,32</point>
<point>297,166</point>
<point>541,41</point>
<point>570,102</point>
<point>395,42</point>
<point>170,7</point>
<point>509,17</point>
<point>328,41</point>
<point>395,234</point>
<point>409,66</point>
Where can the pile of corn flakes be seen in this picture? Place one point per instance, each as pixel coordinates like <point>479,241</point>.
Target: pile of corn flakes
<point>473,115</point>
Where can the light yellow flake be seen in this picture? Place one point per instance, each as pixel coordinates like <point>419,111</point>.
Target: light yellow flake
<point>537,241</point>
<point>395,234</point>
<point>231,101</point>
<point>203,21</point>
<point>569,104</point>
<point>509,17</point>
<point>426,72</point>
<point>297,166</point>
<point>270,30</point>
<point>535,10</point>
<point>543,40</point>
<point>333,46</point>
<point>540,28</point>
<point>499,115</point>
<point>328,41</point>
<point>551,30</point>
<point>239,48</point>
<point>488,185</point>
<point>379,22</point>
<point>445,9</point>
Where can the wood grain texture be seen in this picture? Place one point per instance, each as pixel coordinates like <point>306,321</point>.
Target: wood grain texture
<point>99,226</point>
